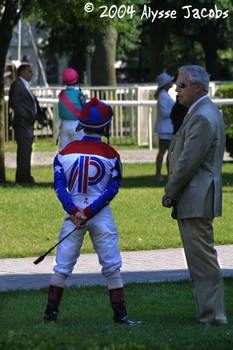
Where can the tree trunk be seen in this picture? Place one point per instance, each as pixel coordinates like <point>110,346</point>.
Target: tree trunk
<point>208,40</point>
<point>10,14</point>
<point>157,44</point>
<point>2,138</point>
<point>6,29</point>
<point>103,70</point>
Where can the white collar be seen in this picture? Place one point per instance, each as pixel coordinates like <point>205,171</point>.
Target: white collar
<point>26,83</point>
<point>196,102</point>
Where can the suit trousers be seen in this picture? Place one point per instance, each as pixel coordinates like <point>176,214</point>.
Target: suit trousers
<point>24,140</point>
<point>198,241</point>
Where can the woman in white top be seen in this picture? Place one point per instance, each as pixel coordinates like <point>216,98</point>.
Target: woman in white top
<point>163,125</point>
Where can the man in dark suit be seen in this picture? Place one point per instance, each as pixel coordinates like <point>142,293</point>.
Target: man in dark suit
<point>26,110</point>
<point>195,189</point>
<point>177,115</point>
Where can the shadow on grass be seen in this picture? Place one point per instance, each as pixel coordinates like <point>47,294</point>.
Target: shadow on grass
<point>127,182</point>
<point>227,179</point>
<point>142,181</point>
<point>42,280</point>
<point>145,181</point>
<point>150,182</point>
<point>12,184</point>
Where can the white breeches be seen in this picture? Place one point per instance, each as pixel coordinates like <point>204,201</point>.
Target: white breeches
<point>68,133</point>
<point>104,236</point>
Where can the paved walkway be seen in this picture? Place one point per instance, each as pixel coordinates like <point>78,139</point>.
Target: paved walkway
<point>127,156</point>
<point>46,158</point>
<point>141,266</point>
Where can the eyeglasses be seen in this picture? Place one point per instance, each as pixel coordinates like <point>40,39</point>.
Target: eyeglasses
<point>182,85</point>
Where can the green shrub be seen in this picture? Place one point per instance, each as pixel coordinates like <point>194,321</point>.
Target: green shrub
<point>226,91</point>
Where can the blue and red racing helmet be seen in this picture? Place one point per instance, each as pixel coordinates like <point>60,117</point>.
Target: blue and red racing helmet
<point>95,115</point>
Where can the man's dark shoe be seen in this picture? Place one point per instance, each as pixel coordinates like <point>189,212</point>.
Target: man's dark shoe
<point>125,320</point>
<point>214,323</point>
<point>29,180</point>
<point>50,316</point>
<point>217,322</point>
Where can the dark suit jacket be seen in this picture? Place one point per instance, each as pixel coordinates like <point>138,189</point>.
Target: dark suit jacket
<point>177,115</point>
<point>22,104</point>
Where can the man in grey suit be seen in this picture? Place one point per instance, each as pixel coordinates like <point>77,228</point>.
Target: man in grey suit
<point>26,110</point>
<point>194,189</point>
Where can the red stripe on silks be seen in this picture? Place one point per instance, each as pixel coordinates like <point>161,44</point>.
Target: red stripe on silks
<point>69,104</point>
<point>74,178</point>
<point>93,178</point>
<point>85,178</point>
<point>91,147</point>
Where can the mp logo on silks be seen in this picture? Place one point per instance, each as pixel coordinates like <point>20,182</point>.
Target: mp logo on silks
<point>87,171</point>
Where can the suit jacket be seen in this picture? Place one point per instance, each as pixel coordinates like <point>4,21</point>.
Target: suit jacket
<point>195,163</point>
<point>22,104</point>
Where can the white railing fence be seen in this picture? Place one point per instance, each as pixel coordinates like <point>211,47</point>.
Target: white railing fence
<point>119,92</point>
<point>134,108</point>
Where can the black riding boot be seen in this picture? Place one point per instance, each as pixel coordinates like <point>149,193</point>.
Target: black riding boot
<point>119,309</point>
<point>54,298</point>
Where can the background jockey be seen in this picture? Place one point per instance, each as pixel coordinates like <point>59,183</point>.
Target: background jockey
<point>71,101</point>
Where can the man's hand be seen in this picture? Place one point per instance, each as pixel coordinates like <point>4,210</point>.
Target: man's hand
<point>78,220</point>
<point>167,201</point>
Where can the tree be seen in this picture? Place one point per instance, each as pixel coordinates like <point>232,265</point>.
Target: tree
<point>103,71</point>
<point>70,18</point>
<point>10,13</point>
<point>128,29</point>
<point>190,39</point>
<point>212,33</point>
<point>56,14</point>
<point>75,42</point>
<point>92,34</point>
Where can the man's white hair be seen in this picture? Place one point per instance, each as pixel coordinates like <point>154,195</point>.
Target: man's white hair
<point>197,75</point>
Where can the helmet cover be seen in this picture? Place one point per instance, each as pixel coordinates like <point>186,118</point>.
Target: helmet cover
<point>70,76</point>
<point>95,115</point>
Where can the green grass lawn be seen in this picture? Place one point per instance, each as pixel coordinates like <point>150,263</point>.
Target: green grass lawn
<point>39,145</point>
<point>85,320</point>
<point>48,144</point>
<point>31,216</point>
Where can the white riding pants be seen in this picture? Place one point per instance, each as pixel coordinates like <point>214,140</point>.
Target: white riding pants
<point>104,236</point>
<point>68,133</point>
